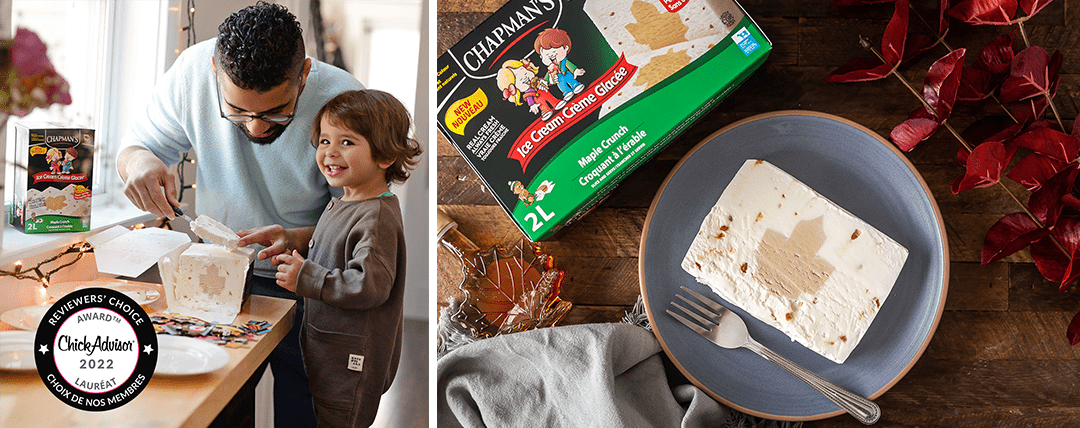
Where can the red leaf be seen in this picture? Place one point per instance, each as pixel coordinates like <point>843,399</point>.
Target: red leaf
<point>1073,333</point>
<point>1029,76</point>
<point>1029,109</point>
<point>1045,203</point>
<point>993,128</point>
<point>1009,235</point>
<point>1031,7</point>
<point>1043,123</point>
<point>892,42</point>
<point>1033,170</point>
<point>913,131</point>
<point>1071,201</point>
<point>1051,262</point>
<point>860,70</point>
<point>984,167</point>
<point>915,45</point>
<point>840,3</point>
<point>1051,143</point>
<point>942,82</point>
<point>892,50</point>
<point>996,57</point>
<point>974,85</point>
<point>985,12</point>
<point>943,18</point>
<point>1076,127</point>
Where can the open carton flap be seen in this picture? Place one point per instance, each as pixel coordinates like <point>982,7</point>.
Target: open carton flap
<point>220,309</point>
<point>129,253</point>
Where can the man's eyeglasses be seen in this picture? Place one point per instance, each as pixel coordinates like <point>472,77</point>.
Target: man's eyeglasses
<point>245,118</point>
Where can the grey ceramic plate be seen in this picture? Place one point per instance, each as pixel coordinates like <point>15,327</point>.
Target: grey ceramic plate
<point>858,170</point>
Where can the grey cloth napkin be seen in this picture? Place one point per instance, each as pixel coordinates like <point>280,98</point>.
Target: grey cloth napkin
<point>590,375</point>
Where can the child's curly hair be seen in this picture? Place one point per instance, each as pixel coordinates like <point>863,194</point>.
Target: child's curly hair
<point>382,120</point>
<point>260,47</point>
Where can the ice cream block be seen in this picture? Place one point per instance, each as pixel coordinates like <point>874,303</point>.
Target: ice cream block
<point>795,260</point>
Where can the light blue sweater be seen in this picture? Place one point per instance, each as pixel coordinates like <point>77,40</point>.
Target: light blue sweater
<point>239,183</point>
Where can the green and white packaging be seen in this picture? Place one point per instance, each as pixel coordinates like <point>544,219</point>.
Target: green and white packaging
<point>554,102</point>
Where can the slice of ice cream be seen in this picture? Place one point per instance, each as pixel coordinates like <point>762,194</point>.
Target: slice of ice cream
<point>795,260</point>
<point>213,231</point>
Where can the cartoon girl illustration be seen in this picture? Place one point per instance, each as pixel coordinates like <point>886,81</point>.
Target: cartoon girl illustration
<point>553,44</point>
<point>54,158</point>
<point>69,155</point>
<point>517,80</point>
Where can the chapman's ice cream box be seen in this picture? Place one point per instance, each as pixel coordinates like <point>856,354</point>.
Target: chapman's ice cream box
<point>554,102</point>
<point>53,177</point>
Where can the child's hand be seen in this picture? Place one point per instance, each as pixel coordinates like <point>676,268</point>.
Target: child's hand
<point>288,269</point>
<point>273,237</point>
<point>579,72</point>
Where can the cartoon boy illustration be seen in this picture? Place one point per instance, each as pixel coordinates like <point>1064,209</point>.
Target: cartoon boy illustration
<point>523,193</point>
<point>69,155</point>
<point>517,80</point>
<point>553,44</point>
<point>55,159</point>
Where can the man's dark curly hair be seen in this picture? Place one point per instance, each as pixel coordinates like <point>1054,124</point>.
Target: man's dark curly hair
<point>260,47</point>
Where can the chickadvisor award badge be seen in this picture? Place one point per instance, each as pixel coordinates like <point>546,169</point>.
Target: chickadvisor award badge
<point>96,349</point>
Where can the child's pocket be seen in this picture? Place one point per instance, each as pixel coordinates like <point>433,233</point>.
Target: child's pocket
<point>335,366</point>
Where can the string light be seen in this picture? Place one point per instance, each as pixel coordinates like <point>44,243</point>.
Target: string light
<point>184,159</point>
<point>37,274</point>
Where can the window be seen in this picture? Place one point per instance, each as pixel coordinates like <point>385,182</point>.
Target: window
<point>378,41</point>
<point>86,41</point>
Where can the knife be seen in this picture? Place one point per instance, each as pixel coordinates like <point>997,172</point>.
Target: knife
<point>176,210</point>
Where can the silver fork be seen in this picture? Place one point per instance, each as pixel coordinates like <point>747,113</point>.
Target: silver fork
<point>727,329</point>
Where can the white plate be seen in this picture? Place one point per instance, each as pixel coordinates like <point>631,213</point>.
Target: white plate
<point>853,167</point>
<point>142,294</point>
<point>26,317</point>
<point>17,351</point>
<point>179,356</point>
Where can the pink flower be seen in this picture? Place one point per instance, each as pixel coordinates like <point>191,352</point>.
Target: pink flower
<point>28,53</point>
<point>31,81</point>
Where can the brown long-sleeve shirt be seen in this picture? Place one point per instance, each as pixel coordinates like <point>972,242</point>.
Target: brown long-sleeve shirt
<point>353,284</point>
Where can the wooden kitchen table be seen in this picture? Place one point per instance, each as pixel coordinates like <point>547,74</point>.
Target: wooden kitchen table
<point>168,401</point>
<point>999,356</point>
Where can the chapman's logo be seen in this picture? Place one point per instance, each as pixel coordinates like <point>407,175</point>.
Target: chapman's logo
<point>69,139</point>
<point>514,27</point>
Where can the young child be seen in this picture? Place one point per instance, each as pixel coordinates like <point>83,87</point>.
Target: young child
<point>553,45</point>
<point>353,278</point>
<point>517,80</point>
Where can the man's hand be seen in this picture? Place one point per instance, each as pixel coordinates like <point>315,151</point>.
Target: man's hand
<point>288,269</point>
<point>148,183</point>
<point>277,240</point>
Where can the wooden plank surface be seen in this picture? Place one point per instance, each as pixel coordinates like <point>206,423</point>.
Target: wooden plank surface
<point>999,357</point>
